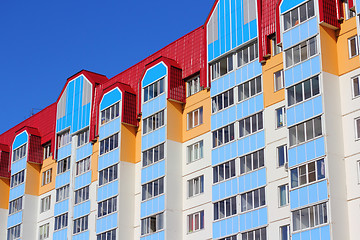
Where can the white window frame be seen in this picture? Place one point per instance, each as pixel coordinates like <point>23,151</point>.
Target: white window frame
<point>324,215</point>
<point>297,9</point>
<point>193,86</point>
<point>286,195</point>
<point>46,177</point>
<point>80,224</point>
<point>228,95</point>
<point>19,152</point>
<point>114,176</point>
<point>81,195</point>
<point>282,80</point>
<point>349,13</point>
<point>307,173</point>
<point>261,230</point>
<point>62,193</point>
<point>63,162</point>
<point>107,235</point>
<point>160,86</point>
<point>292,92</point>
<point>276,49</point>
<point>45,204</point>
<point>221,173</point>
<point>110,113</point>
<point>152,189</point>
<point>281,233</point>
<point>157,154</point>
<point>356,46</point>
<point>195,118</point>
<point>230,129</point>
<point>358,170</point>
<point>195,186</point>
<point>15,230</point>
<point>15,205</point>
<point>233,202</point>
<point>195,152</point>
<point>44,231</point>
<point>353,86</point>
<point>17,179</point>
<point>306,137</point>
<point>63,138</point>
<point>259,122</point>
<point>252,193</point>
<point>309,55</point>
<point>257,89</point>
<point>153,122</point>
<point>254,157</point>
<point>111,207</point>
<point>191,222</point>
<point>278,122</point>
<point>357,128</point>
<point>109,144</point>
<point>146,224</point>
<point>82,138</point>
<point>46,151</point>
<point>83,166</point>
<point>286,159</point>
<point>61,221</point>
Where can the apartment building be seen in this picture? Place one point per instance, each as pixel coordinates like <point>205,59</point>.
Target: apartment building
<point>246,128</point>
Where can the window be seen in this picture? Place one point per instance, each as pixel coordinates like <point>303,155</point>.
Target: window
<point>279,80</point>
<point>253,199</point>
<point>193,86</point>
<point>353,46</point>
<point>249,88</point>
<point>44,231</point>
<point>301,52</point>
<point>249,10</point>
<point>283,195</point>
<point>82,166</point>
<point>305,131</point>
<point>17,179</point>
<point>46,177</point>
<point>106,207</point>
<point>19,153</point>
<point>153,189</point>
<point>152,224</point>
<point>280,117</point>
<point>154,90</point>
<point>225,208</point>
<point>64,138</point>
<point>196,186</point>
<point>61,221</point>
<point>307,173</point>
<point>110,113</point>
<point>195,152</point>
<point>80,224</point>
<point>276,49</point>
<point>62,193</point>
<point>108,175</point>
<point>224,171</point>
<point>355,86</point>
<point>223,135</point>
<point>303,91</point>
<point>109,144</point>
<point>258,234</point>
<point>309,217</point>
<point>195,221</point>
<point>234,237</point>
<point>358,170</point>
<point>222,66</point>
<point>83,138</point>
<point>47,151</point>
<point>153,155</point>
<point>109,235</point>
<point>247,54</point>
<point>223,100</point>
<point>153,122</point>
<point>45,204</point>
<point>349,12</point>
<point>63,165</point>
<point>82,195</point>
<point>282,155</point>
<point>357,128</point>
<point>251,124</point>
<point>299,15</point>
<point>15,205</point>
<point>285,232</point>
<point>252,161</point>
<point>14,232</point>
<point>195,118</point>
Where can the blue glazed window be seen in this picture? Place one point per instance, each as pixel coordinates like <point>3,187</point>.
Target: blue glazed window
<point>310,217</point>
<point>305,131</point>
<point>301,52</point>
<point>299,15</point>
<point>303,91</point>
<point>308,173</point>
<point>19,153</point>
<point>224,171</point>
<point>152,224</point>
<point>107,235</point>
<point>14,232</point>
<point>61,221</point>
<point>110,113</point>
<point>253,199</point>
<point>225,208</point>
<point>154,90</point>
<point>254,234</point>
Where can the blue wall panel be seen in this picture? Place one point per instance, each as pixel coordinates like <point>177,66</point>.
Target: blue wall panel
<point>245,146</point>
<point>108,159</point>
<point>17,192</point>
<point>110,128</point>
<point>248,71</point>
<point>61,207</point>
<point>18,166</point>
<point>225,189</point>
<point>20,139</point>
<point>222,84</point>
<point>321,233</point>
<point>154,105</point>
<point>60,235</point>
<point>226,227</point>
<point>155,236</point>
<point>306,152</point>
<point>304,111</point>
<point>300,33</point>
<point>62,179</point>
<point>14,219</point>
<point>153,206</point>
<point>82,236</point>
<point>224,153</point>
<point>106,223</point>
<point>223,118</point>
<point>154,138</point>
<point>302,71</point>
<point>252,180</point>
<point>64,152</point>
<point>82,209</point>
<point>83,151</point>
<point>110,98</point>
<point>253,219</point>
<point>250,106</point>
<point>308,195</point>
<point>83,180</point>
<point>288,4</point>
<point>108,190</point>
<point>154,74</point>
<point>153,172</point>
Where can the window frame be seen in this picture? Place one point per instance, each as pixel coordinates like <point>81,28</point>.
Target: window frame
<point>41,231</point>
<point>105,144</point>
<point>158,120</point>
<point>115,166</point>
<point>250,156</point>
<point>306,139</point>
<point>313,93</point>
<point>261,230</point>
<point>82,195</point>
<point>277,120</point>
<point>286,157</point>
<point>281,233</point>
<point>15,206</point>
<point>191,118</point>
<point>63,138</point>
<point>46,177</point>
<point>192,185</point>
<point>61,162</point>
<point>276,88</point>
<point>47,150</point>
<point>217,169</point>
<point>45,204</point>
<point>307,173</point>
<point>297,8</point>
<point>325,215</point>
<point>83,224</point>
<point>245,209</point>
<point>159,224</point>
<point>116,108</point>
<point>215,103</point>
<point>353,86</point>
<point>62,194</point>
<point>193,86</point>
<point>157,82</point>
<point>111,207</point>
<point>233,201</point>
<point>17,179</point>
<point>160,149</point>
<point>223,141</point>
<point>82,138</point>
<point>193,152</point>
<point>298,46</point>
<point>248,82</point>
<point>191,221</point>
<point>158,184</point>
<point>356,46</point>
<point>287,197</point>
<point>104,235</point>
<point>348,11</point>
<point>243,123</point>
<point>63,221</point>
<point>19,152</point>
<point>357,128</point>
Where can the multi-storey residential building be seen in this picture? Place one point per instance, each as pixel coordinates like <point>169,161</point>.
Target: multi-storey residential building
<point>246,128</point>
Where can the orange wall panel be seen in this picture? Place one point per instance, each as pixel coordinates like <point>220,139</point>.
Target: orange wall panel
<point>5,192</point>
<point>174,124</point>
<point>32,179</point>
<point>94,158</point>
<point>329,55</point>
<point>128,144</point>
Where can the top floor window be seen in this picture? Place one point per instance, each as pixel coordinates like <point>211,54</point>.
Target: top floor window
<point>64,138</point>
<point>301,52</point>
<point>299,15</point>
<point>110,113</point>
<point>153,90</point>
<point>83,138</point>
<point>247,54</point>
<point>276,49</point>
<point>19,153</point>
<point>193,86</point>
<point>222,66</point>
<point>353,45</point>
<point>46,150</point>
<point>153,122</point>
<point>349,13</point>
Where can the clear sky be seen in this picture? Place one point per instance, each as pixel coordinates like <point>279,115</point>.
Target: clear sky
<point>43,42</point>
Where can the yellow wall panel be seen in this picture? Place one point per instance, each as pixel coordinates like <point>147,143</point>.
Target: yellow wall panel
<point>128,144</point>
<point>329,55</point>
<point>174,124</point>
<point>94,161</point>
<point>47,164</point>
<point>32,179</point>
<point>5,192</point>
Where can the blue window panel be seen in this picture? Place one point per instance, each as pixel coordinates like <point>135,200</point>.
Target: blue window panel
<point>233,24</point>
<point>252,180</point>
<point>224,153</point>
<point>110,98</point>
<point>216,86</point>
<point>20,139</point>
<point>315,65</point>
<point>322,190</point>
<point>155,236</point>
<point>296,236</point>
<point>295,35</point>
<point>18,166</point>
<point>84,151</point>
<point>313,193</point>
<point>294,199</point>
<point>153,206</point>
<point>317,103</point>
<point>153,138</point>
<point>106,223</point>
<point>152,172</point>
<point>216,192</point>
<point>60,235</point>
<point>248,71</point>
<point>246,33</point>
<point>304,196</point>
<point>310,150</point>
<point>253,29</point>
<point>227,24</point>
<point>261,177</point>
<point>308,108</point>
<point>14,219</point>
<point>253,219</point>
<point>300,152</point>
<point>83,180</point>
<point>299,113</point>
<point>225,227</point>
<point>224,189</point>
<point>306,152</point>
<point>64,152</point>
<point>17,192</point>
<point>315,233</point>
<point>154,73</point>
<point>319,147</point>
<point>305,235</point>
<point>288,4</point>
<point>82,236</point>
<point>297,73</point>
<point>325,232</point>
<point>108,190</point>
<point>62,179</point>
<point>110,128</point>
<point>288,75</point>
<point>216,48</point>
<point>154,105</point>
<point>302,71</point>
<point>61,207</point>
<point>82,209</point>
<point>290,116</point>
<point>244,143</point>
<point>313,27</point>
<point>108,159</point>
<point>292,157</point>
<point>223,118</point>
<point>242,220</point>
<point>287,39</point>
<point>263,218</point>
<point>210,52</point>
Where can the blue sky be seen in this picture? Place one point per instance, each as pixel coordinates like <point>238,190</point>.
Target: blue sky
<point>42,43</point>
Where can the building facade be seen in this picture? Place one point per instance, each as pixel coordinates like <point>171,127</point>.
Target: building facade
<point>246,128</point>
